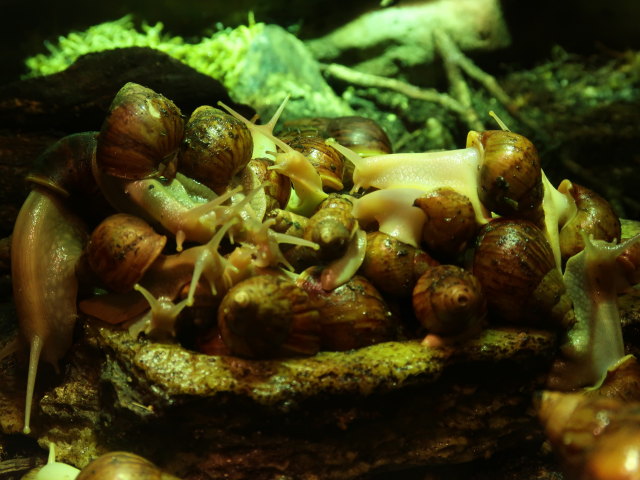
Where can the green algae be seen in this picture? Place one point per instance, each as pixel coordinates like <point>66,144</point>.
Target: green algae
<point>219,55</point>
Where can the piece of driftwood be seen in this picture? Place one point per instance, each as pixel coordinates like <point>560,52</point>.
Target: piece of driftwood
<point>77,98</point>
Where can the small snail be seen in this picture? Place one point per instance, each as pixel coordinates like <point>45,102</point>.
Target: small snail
<point>594,216</point>
<point>515,265</point>
<point>360,134</point>
<point>450,224</point>
<point>121,249</point>
<point>352,315</point>
<point>510,182</point>
<point>276,187</point>
<point>394,266</point>
<point>141,134</point>
<point>268,316</point>
<point>448,300</point>
<point>327,160</point>
<point>121,466</point>
<point>216,146</point>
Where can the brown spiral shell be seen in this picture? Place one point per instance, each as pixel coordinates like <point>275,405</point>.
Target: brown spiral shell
<point>331,227</point>
<point>141,134</point>
<point>216,146</point>
<point>510,174</point>
<point>122,465</point>
<point>328,162</point>
<point>515,265</point>
<point>448,300</point>
<point>121,249</point>
<point>450,224</point>
<point>268,316</point>
<point>353,315</point>
<point>394,266</point>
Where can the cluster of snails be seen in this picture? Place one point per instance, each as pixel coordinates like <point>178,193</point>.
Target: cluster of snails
<point>235,241</point>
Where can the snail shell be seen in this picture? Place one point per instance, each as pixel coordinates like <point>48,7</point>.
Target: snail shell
<point>141,134</point>
<point>360,134</point>
<point>450,223</point>
<point>510,181</point>
<point>515,266</point>
<point>121,249</point>
<point>216,146</point>
<point>332,227</point>
<point>65,167</point>
<point>595,217</point>
<point>327,160</point>
<point>352,315</point>
<point>448,300</point>
<point>394,266</point>
<point>267,316</point>
<point>122,465</point>
<point>277,187</point>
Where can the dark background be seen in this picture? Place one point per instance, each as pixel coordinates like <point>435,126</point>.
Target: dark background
<point>579,26</point>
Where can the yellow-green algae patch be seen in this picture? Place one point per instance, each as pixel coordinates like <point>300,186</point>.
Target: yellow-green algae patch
<point>383,367</point>
<point>219,55</point>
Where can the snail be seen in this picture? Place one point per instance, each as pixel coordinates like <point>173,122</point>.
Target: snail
<point>121,249</point>
<point>141,134</point>
<point>328,162</point>
<point>331,227</point>
<point>122,465</point>
<point>394,266</point>
<point>594,278</point>
<point>275,191</point>
<point>352,315</point>
<point>307,183</point>
<point>516,267</point>
<point>403,177</point>
<point>510,182</point>
<point>595,437</point>
<point>360,134</point>
<point>594,216</point>
<point>45,284</point>
<point>450,223</point>
<point>268,316</point>
<point>216,146</point>
<point>449,302</point>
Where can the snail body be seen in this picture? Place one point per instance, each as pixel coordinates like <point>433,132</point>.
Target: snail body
<point>47,244</point>
<point>45,285</point>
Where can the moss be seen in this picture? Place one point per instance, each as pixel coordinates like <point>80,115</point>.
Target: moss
<point>219,55</point>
